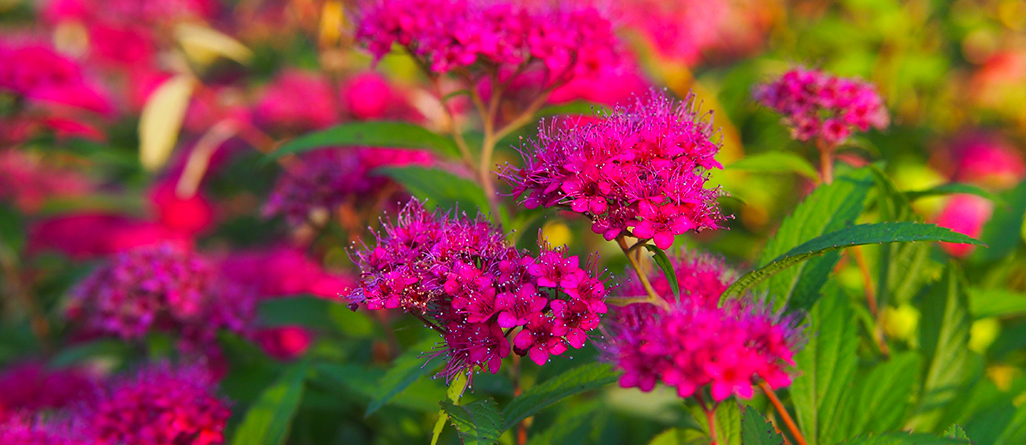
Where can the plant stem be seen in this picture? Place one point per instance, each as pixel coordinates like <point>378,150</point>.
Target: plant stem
<point>710,416</point>
<point>783,413</point>
<point>867,283</point>
<point>826,160</point>
<point>653,297</point>
<point>428,323</point>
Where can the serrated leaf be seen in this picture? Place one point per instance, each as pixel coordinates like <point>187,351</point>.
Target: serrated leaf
<point>269,419</point>
<point>370,134</point>
<point>827,365</point>
<point>1003,233</point>
<point>755,430</point>
<point>406,369</point>
<point>203,44</point>
<point>161,120</point>
<point>453,394</point>
<point>888,232</point>
<point>985,303</point>
<point>478,423</point>
<point>885,394</point>
<point>955,188</point>
<point>663,261</point>
<point>955,432</point>
<point>569,427</point>
<point>828,208</point>
<point>900,267</point>
<point>776,162</point>
<point>583,378</point>
<point>944,342</point>
<point>440,189</point>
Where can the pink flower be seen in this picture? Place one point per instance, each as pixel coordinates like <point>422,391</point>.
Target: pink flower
<point>297,102</point>
<point>30,181</point>
<point>817,105</point>
<point>37,72</point>
<point>30,388</point>
<point>641,167</point>
<point>285,342</point>
<point>282,272</point>
<point>369,96</point>
<point>108,234</point>
<point>158,405</point>
<point>988,161</point>
<point>540,338</point>
<point>21,430</point>
<point>191,216</point>
<point>514,308</point>
<point>964,214</point>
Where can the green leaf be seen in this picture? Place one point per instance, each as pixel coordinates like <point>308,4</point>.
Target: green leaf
<point>828,208</point>
<point>827,365</point>
<point>776,162</point>
<point>570,425</point>
<point>269,418</point>
<point>304,310</point>
<point>12,229</point>
<point>904,439</point>
<point>353,379</point>
<point>901,267</point>
<point>407,368</point>
<point>955,432</point>
<point>681,436</point>
<point>577,380</point>
<point>577,107</point>
<point>755,430</point>
<point>369,134</point>
<point>984,303</point>
<point>440,189</point>
<point>944,341</point>
<point>664,263</point>
<point>884,394</point>
<point>888,232</point>
<point>1003,233</point>
<point>955,188</point>
<point>479,423</point>
<point>81,352</point>
<point>456,388</point>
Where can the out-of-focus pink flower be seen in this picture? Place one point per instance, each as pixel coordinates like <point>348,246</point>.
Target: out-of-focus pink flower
<point>694,343</point>
<point>159,405</point>
<point>29,181</point>
<point>38,72</point>
<point>610,86</point>
<point>299,101</point>
<point>638,171</point>
<point>150,13</point>
<point>281,272</point>
<point>30,387</point>
<point>121,47</point>
<point>23,430</point>
<point>92,234</point>
<point>369,96</point>
<point>285,342</point>
<point>825,107</point>
<point>189,216</point>
<point>989,162</point>
<point>964,214</point>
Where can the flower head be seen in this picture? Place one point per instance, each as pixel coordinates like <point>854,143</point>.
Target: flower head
<point>30,387</point>
<point>160,288</point>
<point>158,405</point>
<point>22,430</point>
<point>693,343</point>
<point>817,105</point>
<point>639,171</point>
<point>39,73</point>
<point>462,276</point>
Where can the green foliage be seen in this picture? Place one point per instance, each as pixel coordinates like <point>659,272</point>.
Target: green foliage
<point>828,364</point>
<point>776,162</point>
<point>755,430</point>
<point>268,421</point>
<point>440,189</point>
<point>883,396</point>
<point>955,188</point>
<point>661,260</point>
<point>479,423</point>
<point>405,370</point>
<point>943,340</point>
<point>1002,234</point>
<point>370,134</point>
<point>577,380</point>
<point>831,242</point>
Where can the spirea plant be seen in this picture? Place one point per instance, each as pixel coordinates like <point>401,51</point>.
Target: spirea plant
<point>510,222</point>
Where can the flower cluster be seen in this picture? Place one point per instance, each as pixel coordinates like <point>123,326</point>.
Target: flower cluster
<point>463,277</point>
<point>693,343</point>
<point>453,35</point>
<point>22,430</point>
<point>159,405</point>
<point>37,72</point>
<point>29,180</point>
<point>818,105</point>
<point>639,171</point>
<point>160,288</point>
<point>30,387</point>
<point>325,179</point>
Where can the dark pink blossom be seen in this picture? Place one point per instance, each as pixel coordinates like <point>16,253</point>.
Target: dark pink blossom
<point>159,405</point>
<point>38,72</point>
<point>30,388</point>
<point>282,272</point>
<point>108,234</point>
<point>297,102</point>
<point>639,171</point>
<point>817,105</point>
<point>284,342</point>
<point>23,430</point>
<point>30,180</point>
<point>964,214</point>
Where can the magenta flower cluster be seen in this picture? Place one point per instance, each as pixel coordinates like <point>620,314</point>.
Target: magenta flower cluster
<point>695,344</point>
<point>31,387</point>
<point>37,72</point>
<point>328,178</point>
<point>817,105</point>
<point>159,405</point>
<point>454,35</point>
<point>161,288</point>
<point>639,171</point>
<point>462,276</point>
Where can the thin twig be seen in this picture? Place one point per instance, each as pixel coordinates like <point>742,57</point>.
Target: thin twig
<point>653,297</point>
<point>783,413</point>
<point>867,283</point>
